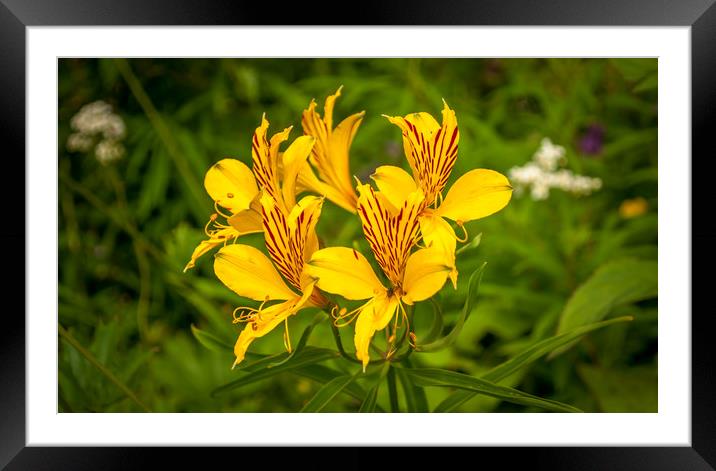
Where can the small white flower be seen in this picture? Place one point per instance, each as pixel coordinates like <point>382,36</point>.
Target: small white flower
<point>542,174</point>
<point>97,126</point>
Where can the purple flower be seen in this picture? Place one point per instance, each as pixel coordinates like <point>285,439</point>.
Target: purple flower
<point>593,139</point>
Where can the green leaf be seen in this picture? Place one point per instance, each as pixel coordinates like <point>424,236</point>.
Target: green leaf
<point>370,402</point>
<point>525,358</point>
<point>302,341</point>
<point>414,395</point>
<point>632,390</point>
<point>437,326</point>
<point>210,341</point>
<point>445,378</point>
<point>613,284</point>
<point>473,244</point>
<point>324,374</point>
<point>309,356</point>
<point>327,393</point>
<point>449,339</point>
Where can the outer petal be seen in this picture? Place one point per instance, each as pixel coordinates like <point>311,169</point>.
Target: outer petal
<point>344,271</point>
<point>220,237</point>
<point>394,182</point>
<point>425,274</point>
<point>375,315</point>
<point>248,272</point>
<point>248,221</point>
<point>476,194</point>
<point>231,184</point>
<point>293,160</point>
<point>438,234</point>
<point>340,144</point>
<point>307,181</point>
<point>266,320</point>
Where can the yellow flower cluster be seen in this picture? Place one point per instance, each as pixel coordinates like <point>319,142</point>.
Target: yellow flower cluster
<point>405,219</point>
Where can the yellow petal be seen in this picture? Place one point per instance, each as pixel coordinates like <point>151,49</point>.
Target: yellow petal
<point>425,274</point>
<point>390,231</point>
<point>231,184</point>
<point>219,237</point>
<point>328,108</point>
<point>431,149</point>
<point>394,182</point>
<point>265,320</point>
<point>248,272</point>
<point>374,316</point>
<point>265,157</point>
<point>344,271</point>
<point>476,194</point>
<point>339,152</point>
<point>248,221</point>
<point>437,233</point>
<point>293,160</point>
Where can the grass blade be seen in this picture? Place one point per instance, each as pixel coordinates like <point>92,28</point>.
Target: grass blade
<point>103,369</point>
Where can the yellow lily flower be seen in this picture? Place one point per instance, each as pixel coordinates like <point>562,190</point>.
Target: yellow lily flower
<point>330,155</point>
<point>249,273</point>
<point>233,186</point>
<point>431,150</point>
<point>391,232</point>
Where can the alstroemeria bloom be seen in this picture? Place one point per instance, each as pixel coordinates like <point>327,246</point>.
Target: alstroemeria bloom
<point>391,232</point>
<point>431,151</point>
<point>233,186</point>
<point>250,273</point>
<point>330,155</point>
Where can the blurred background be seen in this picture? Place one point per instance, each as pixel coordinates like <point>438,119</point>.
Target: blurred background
<point>577,243</point>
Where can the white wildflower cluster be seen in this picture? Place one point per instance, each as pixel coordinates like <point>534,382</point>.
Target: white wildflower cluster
<point>96,126</point>
<point>543,173</point>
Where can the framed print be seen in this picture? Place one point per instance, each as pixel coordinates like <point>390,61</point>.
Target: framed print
<point>468,227</point>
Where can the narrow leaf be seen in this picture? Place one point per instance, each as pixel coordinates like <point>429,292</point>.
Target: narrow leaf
<point>450,338</point>
<point>302,341</point>
<point>327,393</point>
<point>210,341</point>
<point>307,357</point>
<point>414,395</point>
<point>613,284</point>
<point>523,359</point>
<point>445,378</point>
<point>370,402</point>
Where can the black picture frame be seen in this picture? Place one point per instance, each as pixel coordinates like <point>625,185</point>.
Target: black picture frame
<point>17,15</point>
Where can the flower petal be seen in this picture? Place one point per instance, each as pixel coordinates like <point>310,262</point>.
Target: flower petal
<point>248,221</point>
<point>476,194</point>
<point>425,274</point>
<point>231,184</point>
<point>248,272</point>
<point>218,238</point>
<point>265,320</point>
<point>265,157</point>
<point>293,159</point>
<point>437,233</point>
<point>431,149</point>
<point>394,182</point>
<point>374,316</point>
<point>344,271</point>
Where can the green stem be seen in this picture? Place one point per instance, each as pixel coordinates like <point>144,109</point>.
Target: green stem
<point>103,369</point>
<point>339,342</point>
<point>393,391</point>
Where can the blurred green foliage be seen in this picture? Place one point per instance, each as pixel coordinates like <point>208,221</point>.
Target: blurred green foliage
<point>127,228</point>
